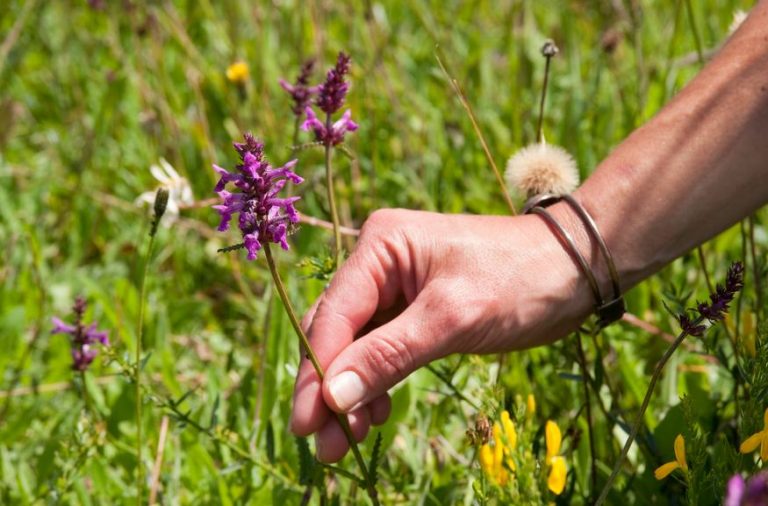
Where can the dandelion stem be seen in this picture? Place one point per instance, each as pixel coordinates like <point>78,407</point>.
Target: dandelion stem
<point>332,195</point>
<point>342,418</point>
<point>643,407</point>
<point>540,126</point>
<point>139,335</point>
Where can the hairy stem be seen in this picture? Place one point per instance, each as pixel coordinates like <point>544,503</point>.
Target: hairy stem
<point>342,418</point>
<point>643,407</point>
<point>332,195</point>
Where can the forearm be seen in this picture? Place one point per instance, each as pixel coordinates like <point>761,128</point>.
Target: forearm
<point>698,167</point>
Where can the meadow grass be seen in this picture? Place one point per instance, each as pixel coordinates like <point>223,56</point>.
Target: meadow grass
<point>91,97</point>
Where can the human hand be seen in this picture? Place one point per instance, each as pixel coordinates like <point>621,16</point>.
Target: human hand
<point>420,286</point>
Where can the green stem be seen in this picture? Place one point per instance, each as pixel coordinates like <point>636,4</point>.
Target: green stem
<point>139,335</point>
<point>343,421</point>
<point>755,267</point>
<point>332,195</point>
<point>696,37</point>
<point>643,407</point>
<point>85,393</point>
<point>540,127</point>
<point>588,405</point>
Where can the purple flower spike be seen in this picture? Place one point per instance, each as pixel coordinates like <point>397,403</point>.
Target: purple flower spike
<point>333,136</point>
<point>723,295</point>
<point>300,92</point>
<point>262,215</point>
<point>83,338</point>
<point>751,493</point>
<point>334,90</point>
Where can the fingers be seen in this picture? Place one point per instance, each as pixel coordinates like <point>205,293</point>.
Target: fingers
<point>364,283</point>
<point>331,442</point>
<point>373,364</point>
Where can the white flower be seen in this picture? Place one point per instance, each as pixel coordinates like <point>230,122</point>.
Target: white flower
<point>542,168</point>
<point>179,191</point>
<point>738,18</point>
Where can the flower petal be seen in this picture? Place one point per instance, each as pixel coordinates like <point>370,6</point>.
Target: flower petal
<point>764,447</point>
<point>59,327</point>
<point>664,470</point>
<point>553,439</point>
<point>556,479</point>
<point>736,486</point>
<point>509,430</point>
<point>680,452</point>
<point>486,459</point>
<point>751,443</point>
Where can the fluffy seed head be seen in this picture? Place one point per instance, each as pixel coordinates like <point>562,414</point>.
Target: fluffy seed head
<point>542,168</point>
<point>738,18</point>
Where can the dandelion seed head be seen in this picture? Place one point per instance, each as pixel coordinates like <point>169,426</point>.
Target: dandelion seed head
<point>542,168</point>
<point>738,18</point>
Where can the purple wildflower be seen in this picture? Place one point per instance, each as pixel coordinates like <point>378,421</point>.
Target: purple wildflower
<point>723,295</point>
<point>300,92</point>
<point>689,327</point>
<point>83,338</point>
<point>330,98</point>
<point>751,493</point>
<point>263,215</point>
<point>334,135</point>
<point>334,90</point>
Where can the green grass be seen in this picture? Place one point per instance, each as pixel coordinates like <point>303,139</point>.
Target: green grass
<point>89,99</point>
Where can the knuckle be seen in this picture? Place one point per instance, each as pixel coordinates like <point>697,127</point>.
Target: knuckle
<point>390,356</point>
<point>383,220</point>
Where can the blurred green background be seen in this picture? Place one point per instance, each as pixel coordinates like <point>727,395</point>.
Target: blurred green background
<point>94,93</point>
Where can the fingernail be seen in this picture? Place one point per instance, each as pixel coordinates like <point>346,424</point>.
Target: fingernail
<point>347,390</point>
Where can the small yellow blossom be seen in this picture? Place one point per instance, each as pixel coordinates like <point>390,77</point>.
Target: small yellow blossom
<point>558,471</point>
<point>679,463</point>
<point>493,458</point>
<point>759,439</point>
<point>530,406</point>
<point>238,72</point>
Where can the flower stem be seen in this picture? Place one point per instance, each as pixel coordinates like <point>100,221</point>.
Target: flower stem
<point>139,334</point>
<point>540,126</point>
<point>755,267</point>
<point>343,421</point>
<point>588,405</point>
<point>85,393</point>
<point>332,195</point>
<point>643,407</point>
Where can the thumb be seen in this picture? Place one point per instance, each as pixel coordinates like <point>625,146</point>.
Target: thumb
<point>376,362</point>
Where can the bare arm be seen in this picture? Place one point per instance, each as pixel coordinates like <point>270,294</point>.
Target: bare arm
<point>420,286</point>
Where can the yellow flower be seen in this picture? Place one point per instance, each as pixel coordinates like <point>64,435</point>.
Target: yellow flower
<point>238,72</point>
<point>759,439</point>
<point>493,458</point>
<point>530,406</point>
<point>558,470</point>
<point>679,462</point>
